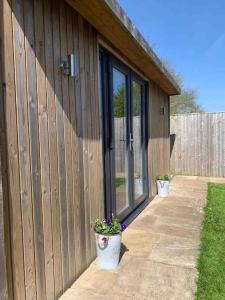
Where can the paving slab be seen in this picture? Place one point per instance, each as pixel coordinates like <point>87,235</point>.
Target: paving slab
<point>141,246</point>
<point>159,250</point>
<point>138,279</point>
<point>175,251</point>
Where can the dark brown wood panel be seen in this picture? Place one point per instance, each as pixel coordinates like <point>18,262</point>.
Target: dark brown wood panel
<point>70,188</point>
<point>14,194</point>
<point>54,149</point>
<point>6,289</point>
<point>53,157</point>
<point>3,266</point>
<point>62,226</point>
<point>77,159</point>
<point>159,138</point>
<point>24,148</point>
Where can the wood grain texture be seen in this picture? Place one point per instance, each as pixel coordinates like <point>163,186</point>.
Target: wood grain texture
<point>54,148</point>
<point>52,136</point>
<point>44,146</point>
<point>6,290</point>
<point>77,158</point>
<point>70,186</point>
<point>158,135</point>
<point>3,258</point>
<point>31,77</point>
<point>199,144</point>
<point>14,194</point>
<point>53,143</point>
<point>24,148</point>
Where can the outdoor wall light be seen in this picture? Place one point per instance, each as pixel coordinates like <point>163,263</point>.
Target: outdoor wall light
<point>162,110</point>
<point>69,67</point>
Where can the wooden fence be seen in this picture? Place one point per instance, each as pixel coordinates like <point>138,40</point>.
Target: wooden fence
<point>120,143</point>
<point>197,144</point>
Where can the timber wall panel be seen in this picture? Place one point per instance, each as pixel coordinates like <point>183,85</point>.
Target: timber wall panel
<point>3,273</point>
<point>54,148</point>
<point>24,148</point>
<point>158,135</point>
<point>13,152</point>
<point>199,144</point>
<point>3,276</point>
<point>4,250</point>
<point>6,289</point>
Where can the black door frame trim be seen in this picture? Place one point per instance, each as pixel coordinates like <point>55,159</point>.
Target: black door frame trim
<point>107,62</point>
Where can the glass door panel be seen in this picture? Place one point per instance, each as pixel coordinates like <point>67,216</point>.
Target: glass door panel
<point>124,132</point>
<point>120,140</point>
<point>137,140</point>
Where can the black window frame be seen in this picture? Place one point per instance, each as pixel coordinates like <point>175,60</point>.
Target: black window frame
<point>107,62</point>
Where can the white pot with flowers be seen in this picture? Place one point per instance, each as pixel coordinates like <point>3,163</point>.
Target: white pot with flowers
<point>108,234</point>
<point>163,183</point>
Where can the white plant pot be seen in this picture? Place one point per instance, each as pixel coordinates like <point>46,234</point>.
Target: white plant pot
<point>108,250</point>
<point>163,188</point>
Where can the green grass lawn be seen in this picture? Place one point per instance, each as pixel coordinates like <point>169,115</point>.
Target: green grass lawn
<point>211,263</point>
<point>120,181</point>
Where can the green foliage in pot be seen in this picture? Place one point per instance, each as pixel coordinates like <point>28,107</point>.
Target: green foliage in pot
<point>108,226</point>
<point>163,178</point>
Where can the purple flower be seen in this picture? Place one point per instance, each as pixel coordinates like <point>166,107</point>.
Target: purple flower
<point>123,227</point>
<point>107,221</point>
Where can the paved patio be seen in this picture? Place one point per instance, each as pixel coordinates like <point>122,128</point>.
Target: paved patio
<point>160,250</point>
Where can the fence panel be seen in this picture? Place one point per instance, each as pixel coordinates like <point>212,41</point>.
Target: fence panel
<point>120,144</point>
<point>197,144</point>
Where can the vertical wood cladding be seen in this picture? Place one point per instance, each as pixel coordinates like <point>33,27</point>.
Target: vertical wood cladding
<point>54,151</point>
<point>159,136</point>
<point>53,147</point>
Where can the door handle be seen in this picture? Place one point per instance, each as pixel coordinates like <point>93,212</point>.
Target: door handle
<point>131,140</point>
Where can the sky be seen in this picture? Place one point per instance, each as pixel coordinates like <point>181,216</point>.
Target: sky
<point>190,34</point>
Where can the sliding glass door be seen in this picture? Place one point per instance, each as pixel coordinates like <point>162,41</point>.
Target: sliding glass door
<point>124,137</point>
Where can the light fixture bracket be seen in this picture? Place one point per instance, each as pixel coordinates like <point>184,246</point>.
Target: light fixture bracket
<point>69,67</point>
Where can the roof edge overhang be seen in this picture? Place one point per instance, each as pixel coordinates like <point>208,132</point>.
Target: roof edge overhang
<point>111,21</point>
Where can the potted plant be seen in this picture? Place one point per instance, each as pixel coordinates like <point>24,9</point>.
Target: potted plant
<point>163,185</point>
<point>108,242</point>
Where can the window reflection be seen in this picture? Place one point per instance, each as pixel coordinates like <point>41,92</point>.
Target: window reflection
<point>137,139</point>
<point>121,164</point>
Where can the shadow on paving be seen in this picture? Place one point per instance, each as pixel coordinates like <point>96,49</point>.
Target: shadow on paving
<point>159,251</point>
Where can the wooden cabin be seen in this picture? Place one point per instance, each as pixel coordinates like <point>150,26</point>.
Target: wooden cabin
<point>84,113</point>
